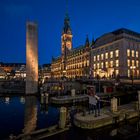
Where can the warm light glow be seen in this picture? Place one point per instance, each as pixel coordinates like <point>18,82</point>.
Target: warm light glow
<point>117,53</point>
<point>111,54</point>
<point>102,56</point>
<point>133,53</point>
<point>128,63</point>
<point>128,52</point>
<point>137,54</point>
<point>117,63</point>
<point>132,67</point>
<point>106,55</point>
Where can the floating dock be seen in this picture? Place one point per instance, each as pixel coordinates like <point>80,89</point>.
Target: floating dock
<point>88,121</point>
<point>69,99</point>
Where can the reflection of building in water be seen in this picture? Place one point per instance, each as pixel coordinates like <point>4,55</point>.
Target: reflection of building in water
<point>30,117</point>
<point>22,99</point>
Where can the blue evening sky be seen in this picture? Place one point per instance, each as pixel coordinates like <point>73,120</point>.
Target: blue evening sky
<point>92,17</point>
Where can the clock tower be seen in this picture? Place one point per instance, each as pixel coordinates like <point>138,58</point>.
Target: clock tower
<point>66,38</point>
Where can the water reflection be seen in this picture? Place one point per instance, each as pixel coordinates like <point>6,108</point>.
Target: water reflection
<point>30,115</point>
<point>22,100</point>
<point>7,100</point>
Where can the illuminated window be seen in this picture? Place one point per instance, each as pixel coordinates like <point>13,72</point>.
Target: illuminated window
<point>137,63</point>
<point>106,64</point>
<point>98,66</point>
<point>133,63</point>
<point>111,54</point>
<point>133,53</point>
<point>106,55</point>
<point>102,56</point>
<point>98,57</point>
<point>94,58</point>
<point>117,63</point>
<point>87,63</point>
<point>117,53</point>
<point>111,63</point>
<point>128,52</point>
<point>128,63</point>
<point>137,73</point>
<point>102,65</point>
<point>116,72</point>
<point>94,66</point>
<point>137,54</point>
<point>128,73</point>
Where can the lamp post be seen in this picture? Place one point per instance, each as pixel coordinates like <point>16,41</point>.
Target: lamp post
<point>132,76</point>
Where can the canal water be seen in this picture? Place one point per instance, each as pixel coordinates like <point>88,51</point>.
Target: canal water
<point>24,114</point>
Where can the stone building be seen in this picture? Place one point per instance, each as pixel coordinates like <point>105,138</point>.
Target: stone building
<point>116,53</point>
<point>73,62</point>
<point>113,54</point>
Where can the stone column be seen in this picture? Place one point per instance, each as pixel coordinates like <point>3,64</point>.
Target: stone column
<point>114,106</point>
<point>63,117</point>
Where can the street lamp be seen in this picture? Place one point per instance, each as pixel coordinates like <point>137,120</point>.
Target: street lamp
<point>132,76</point>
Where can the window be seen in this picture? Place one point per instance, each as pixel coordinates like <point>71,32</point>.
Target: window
<point>98,66</point>
<point>94,66</point>
<point>106,55</point>
<point>94,58</point>
<point>128,63</point>
<point>137,63</point>
<point>117,53</point>
<point>111,64</point>
<point>133,63</point>
<point>116,72</point>
<point>98,57</point>
<point>102,56</point>
<point>117,63</point>
<point>133,53</point>
<point>128,73</point>
<point>137,73</point>
<point>106,64</point>
<point>137,54</point>
<point>111,54</point>
<point>102,65</point>
<point>128,52</point>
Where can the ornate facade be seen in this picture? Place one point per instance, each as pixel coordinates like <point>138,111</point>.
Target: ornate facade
<point>115,53</point>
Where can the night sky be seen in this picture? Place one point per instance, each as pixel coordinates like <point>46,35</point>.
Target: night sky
<point>92,17</point>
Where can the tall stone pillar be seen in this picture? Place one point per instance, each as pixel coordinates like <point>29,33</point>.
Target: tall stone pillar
<point>31,58</point>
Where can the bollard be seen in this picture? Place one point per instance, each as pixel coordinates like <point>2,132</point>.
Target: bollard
<point>47,98</point>
<point>42,98</point>
<point>73,92</point>
<point>63,117</point>
<point>139,100</point>
<point>114,104</point>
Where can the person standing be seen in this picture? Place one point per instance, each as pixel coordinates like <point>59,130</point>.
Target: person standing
<point>92,102</point>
